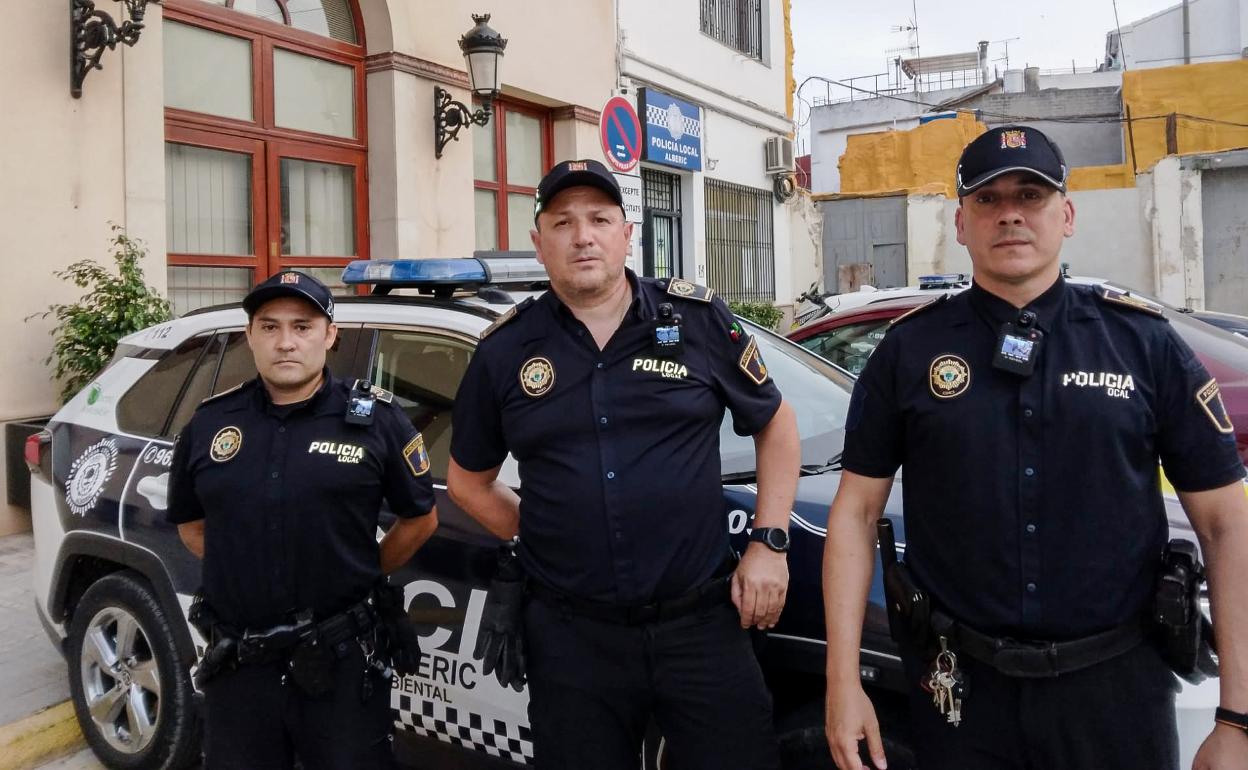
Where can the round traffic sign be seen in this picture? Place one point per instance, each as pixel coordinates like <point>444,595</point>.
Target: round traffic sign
<point>620,131</point>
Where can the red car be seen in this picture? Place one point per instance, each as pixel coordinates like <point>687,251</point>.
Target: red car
<point>848,338</point>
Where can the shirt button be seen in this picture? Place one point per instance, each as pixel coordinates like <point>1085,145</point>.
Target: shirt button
<point>610,474</point>
<point>601,365</point>
<point>602,420</point>
<point>1031,588</point>
<point>1029,471</point>
<point>273,474</point>
<point>1031,529</point>
<point>282,429</point>
<point>1027,413</point>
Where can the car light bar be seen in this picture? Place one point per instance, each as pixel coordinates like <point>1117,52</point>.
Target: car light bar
<point>444,274</point>
<point>943,280</point>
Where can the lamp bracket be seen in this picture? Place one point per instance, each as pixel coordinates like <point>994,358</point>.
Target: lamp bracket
<point>450,115</point>
<point>91,31</point>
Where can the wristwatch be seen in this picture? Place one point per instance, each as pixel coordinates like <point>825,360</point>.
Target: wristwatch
<point>1231,718</point>
<point>775,538</point>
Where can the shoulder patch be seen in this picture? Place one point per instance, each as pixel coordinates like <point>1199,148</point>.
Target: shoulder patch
<point>506,317</point>
<point>751,363</point>
<point>678,287</point>
<point>915,311</point>
<point>1126,299</point>
<point>224,393</point>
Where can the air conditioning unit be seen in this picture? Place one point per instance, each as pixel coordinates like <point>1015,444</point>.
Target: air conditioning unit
<point>779,151</point>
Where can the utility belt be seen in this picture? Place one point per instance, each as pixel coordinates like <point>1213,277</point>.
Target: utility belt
<point>310,649</point>
<point>1176,625</point>
<point>714,592</point>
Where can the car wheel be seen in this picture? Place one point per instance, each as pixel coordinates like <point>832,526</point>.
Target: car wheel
<point>132,696</point>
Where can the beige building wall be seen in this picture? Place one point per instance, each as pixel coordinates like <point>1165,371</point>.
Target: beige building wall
<point>72,166</point>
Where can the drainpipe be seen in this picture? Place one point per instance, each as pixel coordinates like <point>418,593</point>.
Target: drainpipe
<point>1187,33</point>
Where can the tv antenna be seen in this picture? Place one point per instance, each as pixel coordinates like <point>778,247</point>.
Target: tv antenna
<point>1006,45</point>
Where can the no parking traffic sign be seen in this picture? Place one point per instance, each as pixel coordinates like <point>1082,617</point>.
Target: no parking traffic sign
<point>620,131</point>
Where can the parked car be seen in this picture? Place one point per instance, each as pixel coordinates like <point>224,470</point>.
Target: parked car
<point>113,581</point>
<point>848,337</point>
<point>1235,324</point>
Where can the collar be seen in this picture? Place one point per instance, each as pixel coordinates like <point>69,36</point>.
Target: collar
<point>639,306</point>
<point>1047,307</point>
<point>318,400</point>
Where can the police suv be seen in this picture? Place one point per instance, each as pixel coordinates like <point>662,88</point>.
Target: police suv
<point>113,581</point>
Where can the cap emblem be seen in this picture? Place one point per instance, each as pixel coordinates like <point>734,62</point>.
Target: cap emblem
<point>290,278</point>
<point>949,376</point>
<point>577,165</point>
<point>1013,140</point>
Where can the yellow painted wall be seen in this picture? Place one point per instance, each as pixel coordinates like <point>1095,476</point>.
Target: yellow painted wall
<point>924,158</point>
<point>1214,90</point>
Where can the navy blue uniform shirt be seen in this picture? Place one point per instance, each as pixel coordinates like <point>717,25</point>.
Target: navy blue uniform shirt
<point>618,449</point>
<point>1033,505</point>
<point>290,496</point>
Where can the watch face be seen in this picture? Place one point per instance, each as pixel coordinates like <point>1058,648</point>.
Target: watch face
<point>777,538</point>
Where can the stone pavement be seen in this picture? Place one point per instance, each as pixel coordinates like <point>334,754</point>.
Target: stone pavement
<point>32,671</point>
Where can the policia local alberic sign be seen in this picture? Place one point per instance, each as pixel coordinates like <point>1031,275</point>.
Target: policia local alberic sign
<point>673,130</point>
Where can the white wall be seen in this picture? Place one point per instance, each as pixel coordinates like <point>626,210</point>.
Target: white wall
<point>1113,239</point>
<point>1219,31</point>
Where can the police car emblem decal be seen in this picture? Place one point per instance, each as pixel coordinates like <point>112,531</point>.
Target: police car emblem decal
<point>1209,396</point>
<point>226,444</point>
<point>89,474</point>
<point>416,447</point>
<point>949,376</point>
<point>537,376</point>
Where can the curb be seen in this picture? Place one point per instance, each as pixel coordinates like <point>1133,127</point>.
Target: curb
<point>44,735</point>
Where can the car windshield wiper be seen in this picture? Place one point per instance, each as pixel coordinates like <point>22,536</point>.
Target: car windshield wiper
<point>833,464</point>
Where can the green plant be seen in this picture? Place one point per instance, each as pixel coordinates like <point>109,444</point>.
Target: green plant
<point>764,314</point>
<point>87,331</point>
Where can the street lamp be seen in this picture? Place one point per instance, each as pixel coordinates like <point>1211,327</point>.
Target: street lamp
<point>483,48</point>
<point>91,31</point>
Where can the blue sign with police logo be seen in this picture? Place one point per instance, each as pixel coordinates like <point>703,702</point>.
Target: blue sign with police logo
<point>673,130</point>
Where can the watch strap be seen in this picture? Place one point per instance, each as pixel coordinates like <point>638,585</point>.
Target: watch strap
<point>760,535</point>
<point>1231,718</point>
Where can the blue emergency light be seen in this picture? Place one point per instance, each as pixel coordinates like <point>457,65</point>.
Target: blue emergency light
<point>444,276</point>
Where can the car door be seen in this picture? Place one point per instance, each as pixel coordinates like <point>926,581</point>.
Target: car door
<point>449,698</point>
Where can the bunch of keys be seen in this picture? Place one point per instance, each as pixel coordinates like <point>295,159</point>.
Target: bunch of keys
<point>948,684</point>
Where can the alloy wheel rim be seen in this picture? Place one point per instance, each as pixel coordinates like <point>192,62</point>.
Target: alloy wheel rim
<point>120,680</point>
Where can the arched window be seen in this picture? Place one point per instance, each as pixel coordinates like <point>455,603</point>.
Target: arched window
<point>265,143</point>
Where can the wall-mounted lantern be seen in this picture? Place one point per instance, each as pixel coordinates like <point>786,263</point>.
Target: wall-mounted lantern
<point>483,49</point>
<point>92,30</point>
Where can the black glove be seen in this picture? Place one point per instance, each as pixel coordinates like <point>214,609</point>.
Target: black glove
<point>500,642</point>
<point>400,640</point>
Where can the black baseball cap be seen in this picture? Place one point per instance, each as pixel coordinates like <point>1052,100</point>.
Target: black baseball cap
<point>1004,149</point>
<point>291,283</point>
<point>576,173</point>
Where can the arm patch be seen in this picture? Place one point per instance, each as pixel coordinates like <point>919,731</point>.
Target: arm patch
<point>678,287</point>
<point>751,363</point>
<point>416,456</point>
<point>1209,396</point>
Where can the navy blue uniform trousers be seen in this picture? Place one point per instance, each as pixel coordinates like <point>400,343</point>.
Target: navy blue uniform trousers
<point>594,687</point>
<point>254,721</point>
<point>1116,715</point>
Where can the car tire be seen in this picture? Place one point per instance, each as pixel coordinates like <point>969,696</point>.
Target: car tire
<point>133,698</point>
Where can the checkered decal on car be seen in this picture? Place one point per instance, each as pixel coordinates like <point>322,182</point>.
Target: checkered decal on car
<point>463,728</point>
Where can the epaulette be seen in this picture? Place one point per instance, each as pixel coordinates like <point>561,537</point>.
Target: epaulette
<point>915,311</point>
<point>379,393</point>
<point>679,287</point>
<point>506,317</point>
<point>223,393</point>
<point>1126,299</point>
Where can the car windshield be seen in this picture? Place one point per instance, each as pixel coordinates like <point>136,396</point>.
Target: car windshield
<point>819,395</point>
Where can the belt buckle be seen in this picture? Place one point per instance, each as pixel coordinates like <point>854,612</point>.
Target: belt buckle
<point>1025,659</point>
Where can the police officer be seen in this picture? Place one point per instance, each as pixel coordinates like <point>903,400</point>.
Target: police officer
<point>277,485</point>
<point>1029,415</point>
<point>609,391</point>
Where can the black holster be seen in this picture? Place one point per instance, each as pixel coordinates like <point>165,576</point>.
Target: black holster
<point>396,633</point>
<point>1184,635</point>
<point>909,607</point>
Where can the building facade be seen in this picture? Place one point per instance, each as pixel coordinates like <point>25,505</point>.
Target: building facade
<point>237,138</point>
